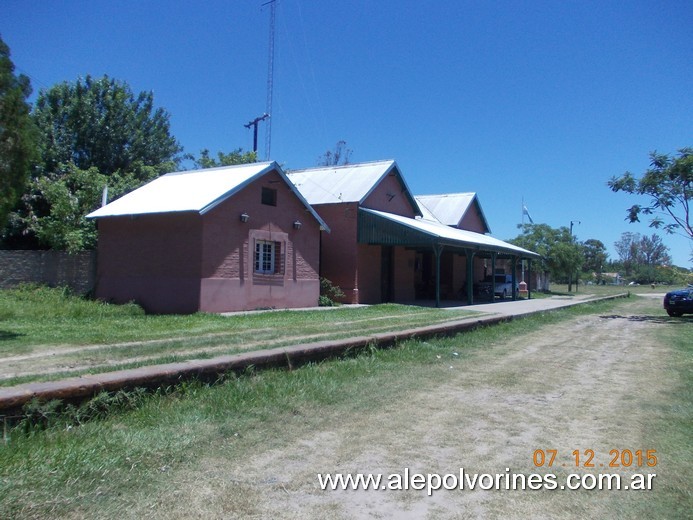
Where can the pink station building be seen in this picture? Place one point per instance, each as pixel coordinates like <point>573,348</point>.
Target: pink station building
<point>252,236</point>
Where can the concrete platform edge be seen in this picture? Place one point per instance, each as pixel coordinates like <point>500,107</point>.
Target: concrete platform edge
<point>76,389</point>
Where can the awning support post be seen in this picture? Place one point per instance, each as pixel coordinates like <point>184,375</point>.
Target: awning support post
<point>470,276</point>
<point>514,279</point>
<point>493,277</point>
<point>437,251</point>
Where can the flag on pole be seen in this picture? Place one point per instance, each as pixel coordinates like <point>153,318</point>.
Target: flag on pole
<point>525,211</point>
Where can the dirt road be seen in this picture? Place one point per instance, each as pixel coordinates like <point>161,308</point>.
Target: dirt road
<point>591,384</point>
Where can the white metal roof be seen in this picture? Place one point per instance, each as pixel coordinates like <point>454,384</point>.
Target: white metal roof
<point>347,183</point>
<point>193,191</point>
<point>426,214</point>
<point>447,233</point>
<point>449,208</point>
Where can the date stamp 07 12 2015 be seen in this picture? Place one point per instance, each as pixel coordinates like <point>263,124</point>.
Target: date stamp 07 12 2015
<point>586,459</point>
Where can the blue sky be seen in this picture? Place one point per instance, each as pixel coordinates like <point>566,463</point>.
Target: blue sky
<point>541,100</point>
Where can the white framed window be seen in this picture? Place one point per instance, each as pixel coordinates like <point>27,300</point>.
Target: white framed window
<point>265,256</point>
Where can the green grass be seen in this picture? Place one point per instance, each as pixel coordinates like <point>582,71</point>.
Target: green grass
<point>44,316</point>
<point>39,320</point>
<point>676,412</point>
<point>112,464</point>
<point>606,290</point>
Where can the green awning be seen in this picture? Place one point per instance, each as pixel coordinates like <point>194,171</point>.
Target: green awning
<point>381,228</point>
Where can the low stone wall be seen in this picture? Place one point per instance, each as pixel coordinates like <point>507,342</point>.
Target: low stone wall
<point>53,268</point>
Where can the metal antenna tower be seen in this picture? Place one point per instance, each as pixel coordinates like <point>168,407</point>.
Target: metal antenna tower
<point>270,78</point>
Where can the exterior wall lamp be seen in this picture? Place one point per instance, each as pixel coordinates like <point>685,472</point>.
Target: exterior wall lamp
<point>297,224</point>
<point>245,217</point>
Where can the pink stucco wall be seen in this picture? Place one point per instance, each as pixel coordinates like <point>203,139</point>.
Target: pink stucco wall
<point>404,278</point>
<point>368,273</point>
<point>459,274</point>
<point>228,278</point>
<point>181,263</point>
<point>151,259</point>
<point>389,196</point>
<point>339,256</point>
<point>370,269</point>
<point>472,221</point>
<point>356,268</point>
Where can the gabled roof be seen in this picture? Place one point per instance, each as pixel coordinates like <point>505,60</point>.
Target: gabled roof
<point>450,208</point>
<point>196,191</point>
<point>347,183</point>
<point>426,214</point>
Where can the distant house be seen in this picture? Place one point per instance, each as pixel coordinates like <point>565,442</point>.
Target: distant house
<point>613,278</point>
<point>220,239</point>
<point>387,246</point>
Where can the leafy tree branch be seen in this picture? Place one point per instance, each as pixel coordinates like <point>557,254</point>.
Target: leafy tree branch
<point>668,182</point>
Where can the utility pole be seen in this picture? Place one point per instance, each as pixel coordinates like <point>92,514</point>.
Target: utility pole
<point>254,124</point>
<point>570,276</point>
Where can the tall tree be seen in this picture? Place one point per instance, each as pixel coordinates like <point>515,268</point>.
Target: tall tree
<point>100,123</point>
<point>561,255</point>
<point>627,248</point>
<point>92,133</point>
<point>669,184</point>
<point>70,196</point>
<point>339,156</point>
<point>17,134</point>
<point>237,156</point>
<point>641,255</point>
<point>652,253</point>
<point>595,256</point>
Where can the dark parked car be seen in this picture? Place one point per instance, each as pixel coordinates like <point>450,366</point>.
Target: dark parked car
<point>678,303</point>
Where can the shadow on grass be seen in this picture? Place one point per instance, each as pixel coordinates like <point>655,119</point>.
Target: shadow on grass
<point>653,319</point>
<point>6,335</point>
